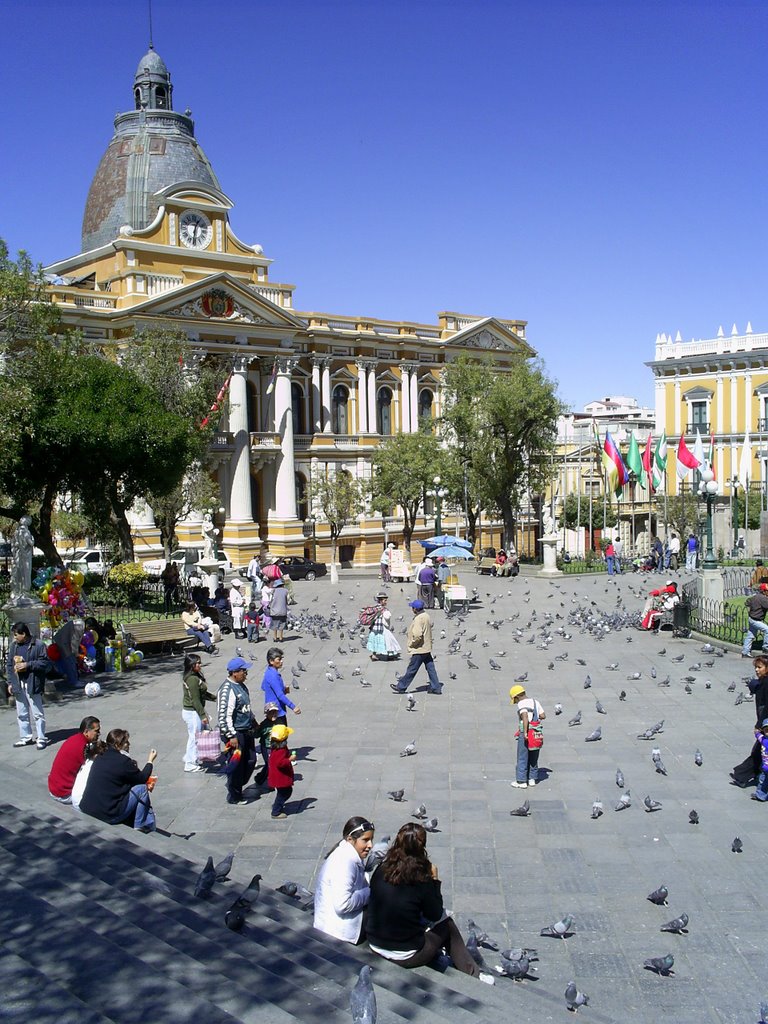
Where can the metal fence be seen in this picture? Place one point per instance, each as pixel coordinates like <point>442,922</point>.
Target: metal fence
<point>725,620</point>
<point>138,603</point>
<point>581,565</point>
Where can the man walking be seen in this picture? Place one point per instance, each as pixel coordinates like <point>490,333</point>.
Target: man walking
<point>27,666</point>
<point>691,547</point>
<point>757,605</point>
<point>420,650</point>
<point>238,727</point>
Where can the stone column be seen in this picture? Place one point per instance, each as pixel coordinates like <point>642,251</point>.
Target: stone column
<point>362,399</point>
<point>414,400</point>
<point>285,485</point>
<point>372,424</point>
<point>405,399</point>
<point>317,407</point>
<point>326,394</point>
<point>240,510</point>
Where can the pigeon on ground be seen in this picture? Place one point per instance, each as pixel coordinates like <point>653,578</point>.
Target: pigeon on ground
<point>763,1011</point>
<point>625,801</point>
<point>594,736</point>
<point>452,675</point>
<point>224,866</point>
<point>635,675</point>
<point>651,805</point>
<point>205,880</point>
<point>420,812</point>
<point>522,679</point>
<point>676,925</point>
<point>653,671</point>
<point>660,964</point>
<point>250,896</point>
<point>517,970</point>
<point>362,999</point>
<point>494,665</point>
<point>623,695</point>
<point>587,682</point>
<point>693,818</point>
<point>737,846</point>
<point>599,708</point>
<point>574,999</point>
<point>303,650</point>
<point>522,811</point>
<point>576,720</point>
<point>659,896</point>
<point>612,667</point>
<point>409,750</point>
<point>483,939</point>
<point>560,929</point>
<point>472,948</point>
<point>597,808</point>
<point>396,795</point>
<point>558,709</point>
<point>680,657</point>
<point>698,759</point>
<point>619,778</point>
<point>234,918</point>
<point>411,704</point>
<point>658,763</point>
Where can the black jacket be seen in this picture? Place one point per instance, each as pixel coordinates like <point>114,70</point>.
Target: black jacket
<point>35,653</point>
<point>759,688</point>
<point>757,605</point>
<point>111,778</point>
<point>398,915</point>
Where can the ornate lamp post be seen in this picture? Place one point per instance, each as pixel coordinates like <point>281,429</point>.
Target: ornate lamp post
<point>734,484</point>
<point>708,489</point>
<point>438,493</point>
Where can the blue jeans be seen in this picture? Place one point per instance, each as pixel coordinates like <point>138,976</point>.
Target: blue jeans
<point>252,628</point>
<point>139,808</point>
<point>527,761</point>
<point>282,796</point>
<point>24,701</point>
<point>755,627</point>
<point>413,667</point>
<point>762,786</point>
<point>609,561</point>
<point>202,635</point>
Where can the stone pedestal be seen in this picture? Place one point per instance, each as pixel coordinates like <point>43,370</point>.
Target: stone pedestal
<point>209,570</point>
<point>712,588</point>
<point>549,551</point>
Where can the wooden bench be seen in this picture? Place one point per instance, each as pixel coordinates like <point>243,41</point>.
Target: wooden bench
<point>166,634</point>
<point>489,565</point>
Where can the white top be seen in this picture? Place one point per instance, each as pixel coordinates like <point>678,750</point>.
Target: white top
<point>341,892</point>
<point>78,786</point>
<point>534,709</point>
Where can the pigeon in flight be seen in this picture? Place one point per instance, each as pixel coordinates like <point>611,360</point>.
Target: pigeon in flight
<point>420,812</point>
<point>431,825</point>
<point>362,999</point>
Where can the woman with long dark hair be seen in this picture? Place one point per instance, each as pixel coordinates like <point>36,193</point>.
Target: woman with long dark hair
<point>195,694</point>
<point>341,890</point>
<point>405,893</point>
<point>117,788</point>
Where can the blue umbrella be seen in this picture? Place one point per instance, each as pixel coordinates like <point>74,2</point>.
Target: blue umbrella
<point>451,551</point>
<point>436,542</point>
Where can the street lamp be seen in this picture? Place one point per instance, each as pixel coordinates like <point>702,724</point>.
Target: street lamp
<point>708,489</point>
<point>734,484</point>
<point>313,521</point>
<point>438,493</point>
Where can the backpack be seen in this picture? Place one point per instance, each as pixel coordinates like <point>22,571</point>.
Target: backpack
<point>368,615</point>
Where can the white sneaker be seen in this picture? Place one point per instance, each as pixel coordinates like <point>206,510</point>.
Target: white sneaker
<point>194,768</point>
<point>519,785</point>
<point>531,783</point>
<point>487,979</point>
<point>24,741</point>
<point>43,743</point>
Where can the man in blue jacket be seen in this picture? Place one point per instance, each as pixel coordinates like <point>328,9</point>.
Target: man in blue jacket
<point>237,725</point>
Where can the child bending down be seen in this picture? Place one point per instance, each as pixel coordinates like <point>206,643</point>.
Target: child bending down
<point>281,769</point>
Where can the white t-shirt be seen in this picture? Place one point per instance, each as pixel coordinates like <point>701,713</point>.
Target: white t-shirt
<point>534,709</point>
<point>78,786</point>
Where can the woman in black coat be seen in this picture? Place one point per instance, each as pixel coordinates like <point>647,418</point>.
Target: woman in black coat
<point>746,773</point>
<point>117,788</point>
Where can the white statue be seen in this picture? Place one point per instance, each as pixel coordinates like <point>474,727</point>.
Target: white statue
<point>22,545</point>
<point>209,534</point>
<point>548,522</point>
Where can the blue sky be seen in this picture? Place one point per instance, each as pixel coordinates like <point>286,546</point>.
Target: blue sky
<point>597,169</point>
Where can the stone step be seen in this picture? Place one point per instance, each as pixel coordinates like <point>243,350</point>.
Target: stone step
<point>28,994</point>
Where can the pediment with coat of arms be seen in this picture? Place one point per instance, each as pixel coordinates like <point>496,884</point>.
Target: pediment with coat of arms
<point>216,304</point>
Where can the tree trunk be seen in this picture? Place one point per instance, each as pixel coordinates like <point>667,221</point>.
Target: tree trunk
<point>44,534</point>
<point>334,566</point>
<point>120,522</point>
<point>472,515</point>
<point>508,515</point>
<point>408,525</point>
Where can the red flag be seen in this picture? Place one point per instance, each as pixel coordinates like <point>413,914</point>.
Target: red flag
<point>648,463</point>
<point>685,459</point>
<point>217,402</point>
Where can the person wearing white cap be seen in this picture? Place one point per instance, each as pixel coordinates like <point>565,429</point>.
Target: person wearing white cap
<point>237,604</point>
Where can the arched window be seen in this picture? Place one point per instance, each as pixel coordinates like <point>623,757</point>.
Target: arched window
<point>302,504</point>
<point>426,399</point>
<point>297,404</point>
<point>160,98</point>
<point>137,97</point>
<point>339,420</point>
<point>384,411</point>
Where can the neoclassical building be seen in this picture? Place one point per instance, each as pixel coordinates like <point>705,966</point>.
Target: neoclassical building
<point>311,393</point>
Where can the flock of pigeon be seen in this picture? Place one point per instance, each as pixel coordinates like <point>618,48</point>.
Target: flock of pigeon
<point>552,626</point>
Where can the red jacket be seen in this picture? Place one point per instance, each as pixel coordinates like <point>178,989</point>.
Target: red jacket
<point>280,768</point>
<point>66,765</point>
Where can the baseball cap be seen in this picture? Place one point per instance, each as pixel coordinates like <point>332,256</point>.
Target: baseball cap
<point>281,732</point>
<point>271,707</point>
<point>417,604</point>
<point>516,691</point>
<point>765,723</point>
<point>234,664</point>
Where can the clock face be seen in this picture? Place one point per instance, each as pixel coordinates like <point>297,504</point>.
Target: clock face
<point>195,230</point>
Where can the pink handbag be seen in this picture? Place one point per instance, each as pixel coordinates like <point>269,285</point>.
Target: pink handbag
<point>208,744</point>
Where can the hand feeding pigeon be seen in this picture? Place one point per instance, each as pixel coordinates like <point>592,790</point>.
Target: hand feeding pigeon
<point>574,999</point>
<point>362,999</point>
<point>676,925</point>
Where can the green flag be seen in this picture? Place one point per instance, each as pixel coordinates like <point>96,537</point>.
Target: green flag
<point>660,460</point>
<point>634,460</point>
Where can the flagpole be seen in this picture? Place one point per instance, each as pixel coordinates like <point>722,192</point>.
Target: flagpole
<point>578,509</point>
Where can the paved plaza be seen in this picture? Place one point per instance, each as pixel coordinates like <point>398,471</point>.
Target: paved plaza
<point>512,875</point>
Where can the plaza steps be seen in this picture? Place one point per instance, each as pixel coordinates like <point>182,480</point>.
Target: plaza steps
<point>95,927</point>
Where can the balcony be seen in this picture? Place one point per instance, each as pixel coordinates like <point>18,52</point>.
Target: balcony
<point>703,428</point>
<point>223,442</point>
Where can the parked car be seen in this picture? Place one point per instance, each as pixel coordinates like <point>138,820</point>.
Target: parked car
<point>296,568</point>
<point>90,560</point>
<point>187,559</point>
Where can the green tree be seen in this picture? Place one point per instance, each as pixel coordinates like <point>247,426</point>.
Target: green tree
<point>504,423</point>
<point>340,498</point>
<point>196,491</point>
<point>600,521</point>
<point>753,508</point>
<point>683,512</point>
<point>403,470</point>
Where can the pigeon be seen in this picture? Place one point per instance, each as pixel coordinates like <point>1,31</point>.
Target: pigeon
<point>494,665</point>
<point>251,895</point>
<point>619,778</point>
<point>660,964</point>
<point>431,825</point>
<point>396,795</point>
<point>362,999</point>
<point>594,736</point>
<point>576,720</point>
<point>659,764</point>
<point>599,708</point>
<point>223,868</point>
<point>612,667</point>
<point>518,953</point>
<point>303,650</point>
<point>522,811</point>
<point>659,896</point>
<point>698,759</point>
<point>560,929</point>
<point>651,805</point>
<point>624,801</point>
<point>516,968</point>
<point>676,925</point>
<point>597,808</point>
<point>420,812</point>
<point>623,695</point>
<point>558,709</point>
<point>483,939</point>
<point>587,682</point>
<point>472,948</point>
<point>662,652</point>
<point>737,846</point>
<point>205,880</point>
<point>693,818</point>
<point>411,702</point>
<point>378,853</point>
<point>409,750</point>
<point>574,999</point>
<point>234,918</point>
<point>653,671</point>
<point>522,679</point>
<point>680,657</point>
<point>635,675</point>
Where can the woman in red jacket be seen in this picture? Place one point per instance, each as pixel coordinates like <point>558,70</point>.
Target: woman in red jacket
<point>280,776</point>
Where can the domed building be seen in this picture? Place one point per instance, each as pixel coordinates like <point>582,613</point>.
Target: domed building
<point>310,393</point>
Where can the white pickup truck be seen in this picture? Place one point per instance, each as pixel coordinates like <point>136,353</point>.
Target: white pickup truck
<point>89,560</point>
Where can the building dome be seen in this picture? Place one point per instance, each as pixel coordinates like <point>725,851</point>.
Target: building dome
<point>153,147</point>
